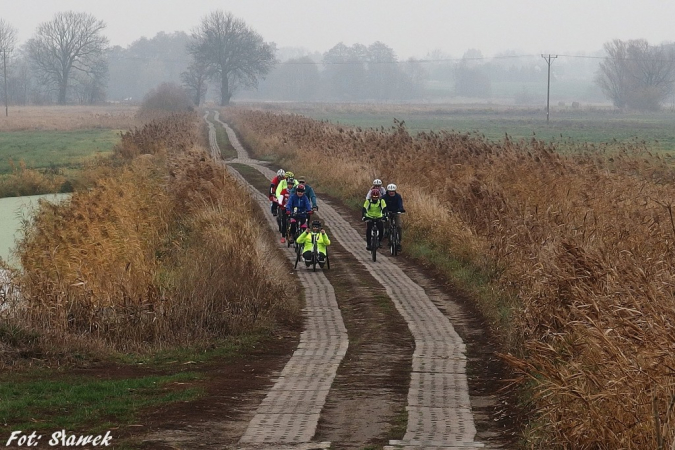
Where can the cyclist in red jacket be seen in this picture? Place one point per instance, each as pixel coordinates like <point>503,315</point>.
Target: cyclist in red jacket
<point>281,175</point>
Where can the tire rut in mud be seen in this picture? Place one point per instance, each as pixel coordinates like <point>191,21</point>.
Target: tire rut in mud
<point>366,404</point>
<point>495,415</point>
<point>498,419</point>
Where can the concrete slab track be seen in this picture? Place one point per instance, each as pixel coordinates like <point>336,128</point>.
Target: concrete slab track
<point>439,407</point>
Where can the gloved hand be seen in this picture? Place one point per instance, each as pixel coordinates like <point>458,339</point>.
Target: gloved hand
<point>271,197</point>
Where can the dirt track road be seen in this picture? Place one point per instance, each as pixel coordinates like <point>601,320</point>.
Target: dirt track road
<point>438,410</point>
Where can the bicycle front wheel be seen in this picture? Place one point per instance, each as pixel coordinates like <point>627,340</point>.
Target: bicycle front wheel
<point>374,243</point>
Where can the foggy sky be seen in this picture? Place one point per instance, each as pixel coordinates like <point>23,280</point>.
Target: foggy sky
<point>412,28</point>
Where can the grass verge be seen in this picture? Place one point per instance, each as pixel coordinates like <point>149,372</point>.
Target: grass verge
<point>227,151</point>
<point>81,402</point>
<point>115,392</point>
<point>54,149</point>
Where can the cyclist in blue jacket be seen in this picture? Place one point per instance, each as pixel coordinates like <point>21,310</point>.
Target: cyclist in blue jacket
<point>309,192</point>
<point>299,208</point>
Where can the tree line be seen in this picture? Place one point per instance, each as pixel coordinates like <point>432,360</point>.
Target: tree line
<point>68,60</point>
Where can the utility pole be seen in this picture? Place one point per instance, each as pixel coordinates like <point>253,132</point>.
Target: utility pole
<point>548,88</point>
<point>4,69</point>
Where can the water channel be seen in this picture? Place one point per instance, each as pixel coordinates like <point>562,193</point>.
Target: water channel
<point>12,211</point>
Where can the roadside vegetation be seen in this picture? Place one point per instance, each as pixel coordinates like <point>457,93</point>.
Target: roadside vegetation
<point>50,149</point>
<point>227,151</point>
<point>571,252</point>
<point>152,255</point>
<point>568,128</point>
<point>157,252</point>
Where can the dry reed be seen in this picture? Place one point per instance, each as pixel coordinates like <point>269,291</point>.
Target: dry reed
<point>114,117</point>
<point>164,250</point>
<point>584,241</point>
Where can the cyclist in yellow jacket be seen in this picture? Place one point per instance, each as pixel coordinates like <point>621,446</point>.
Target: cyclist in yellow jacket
<point>322,242</point>
<point>288,183</point>
<point>373,211</point>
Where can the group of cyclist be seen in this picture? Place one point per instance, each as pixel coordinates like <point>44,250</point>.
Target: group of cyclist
<point>382,204</point>
<point>293,201</point>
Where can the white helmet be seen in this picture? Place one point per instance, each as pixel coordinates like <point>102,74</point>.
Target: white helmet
<point>281,172</point>
<point>377,182</point>
<point>391,187</point>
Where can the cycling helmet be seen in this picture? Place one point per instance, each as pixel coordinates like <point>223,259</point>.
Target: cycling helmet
<point>290,175</point>
<point>391,187</point>
<point>281,173</point>
<point>301,180</point>
<point>303,226</point>
<point>300,188</point>
<point>375,193</point>
<point>316,224</point>
<point>377,182</point>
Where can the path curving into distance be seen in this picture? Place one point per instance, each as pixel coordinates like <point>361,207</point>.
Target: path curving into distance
<point>439,408</point>
<point>289,414</point>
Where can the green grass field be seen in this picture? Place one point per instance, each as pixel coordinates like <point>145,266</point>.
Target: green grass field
<point>86,402</point>
<point>566,125</point>
<point>44,149</point>
<point>51,399</point>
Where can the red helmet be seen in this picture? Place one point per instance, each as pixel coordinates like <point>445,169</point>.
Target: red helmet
<point>375,193</point>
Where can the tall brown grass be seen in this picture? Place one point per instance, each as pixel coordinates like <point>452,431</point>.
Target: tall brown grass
<point>583,242</point>
<point>165,250</point>
<point>25,181</point>
<point>114,117</point>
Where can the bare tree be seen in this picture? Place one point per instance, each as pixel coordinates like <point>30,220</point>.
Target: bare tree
<point>72,42</point>
<point>471,80</point>
<point>237,54</point>
<point>7,43</point>
<point>296,79</point>
<point>637,75</point>
<point>345,71</point>
<point>383,71</point>
<point>194,80</point>
<point>7,36</point>
<point>89,88</point>
<point>19,82</point>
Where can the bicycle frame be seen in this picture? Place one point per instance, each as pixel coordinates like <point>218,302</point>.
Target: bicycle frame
<point>288,231</point>
<point>315,250</point>
<point>394,237</point>
<point>374,238</point>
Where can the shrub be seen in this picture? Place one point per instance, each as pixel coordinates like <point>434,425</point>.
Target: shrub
<point>166,98</point>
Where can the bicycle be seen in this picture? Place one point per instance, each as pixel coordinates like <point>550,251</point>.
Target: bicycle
<point>289,240</point>
<point>374,237</point>
<point>315,254</point>
<point>394,235</point>
<point>294,236</point>
<point>282,222</point>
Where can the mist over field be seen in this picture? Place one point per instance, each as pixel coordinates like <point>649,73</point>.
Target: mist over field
<point>377,52</point>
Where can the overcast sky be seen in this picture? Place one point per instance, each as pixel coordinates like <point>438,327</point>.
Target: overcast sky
<point>412,28</point>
